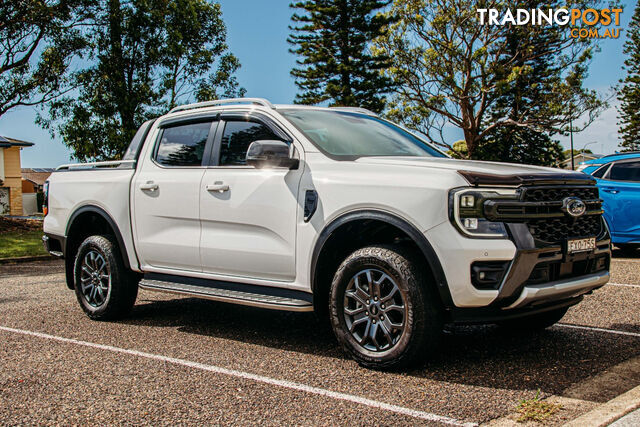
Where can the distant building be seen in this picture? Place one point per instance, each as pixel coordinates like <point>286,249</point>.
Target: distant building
<point>11,175</point>
<point>577,158</point>
<point>33,179</point>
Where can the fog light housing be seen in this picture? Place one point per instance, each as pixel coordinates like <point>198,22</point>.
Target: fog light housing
<point>488,274</point>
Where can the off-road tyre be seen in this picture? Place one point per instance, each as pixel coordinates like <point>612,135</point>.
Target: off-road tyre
<point>117,292</point>
<point>423,315</point>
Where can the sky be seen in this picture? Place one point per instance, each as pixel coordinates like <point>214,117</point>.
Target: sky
<point>257,33</point>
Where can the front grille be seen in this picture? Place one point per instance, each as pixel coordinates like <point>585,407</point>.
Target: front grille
<point>559,228</point>
<point>541,208</point>
<point>551,194</point>
<point>554,230</point>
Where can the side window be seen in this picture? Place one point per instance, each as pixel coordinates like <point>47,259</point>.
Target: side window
<point>627,171</point>
<point>236,139</point>
<point>601,171</point>
<point>183,145</point>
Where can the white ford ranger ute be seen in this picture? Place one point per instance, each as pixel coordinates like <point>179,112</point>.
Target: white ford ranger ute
<point>332,210</point>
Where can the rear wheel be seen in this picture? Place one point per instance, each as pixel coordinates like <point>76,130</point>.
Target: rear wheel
<point>534,323</point>
<point>105,288</point>
<point>382,312</point>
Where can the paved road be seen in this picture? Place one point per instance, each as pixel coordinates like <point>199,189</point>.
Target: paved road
<point>630,420</point>
<point>193,361</point>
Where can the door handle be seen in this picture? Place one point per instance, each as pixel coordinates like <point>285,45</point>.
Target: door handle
<point>218,186</point>
<point>610,190</point>
<point>149,186</point>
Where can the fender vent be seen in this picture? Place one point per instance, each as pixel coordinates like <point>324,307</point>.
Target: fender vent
<point>310,204</point>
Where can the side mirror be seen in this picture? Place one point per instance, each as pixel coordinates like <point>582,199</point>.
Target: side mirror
<point>270,154</point>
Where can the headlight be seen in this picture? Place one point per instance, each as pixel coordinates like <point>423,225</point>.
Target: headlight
<point>467,211</point>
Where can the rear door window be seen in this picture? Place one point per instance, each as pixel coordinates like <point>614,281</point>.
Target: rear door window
<point>183,145</point>
<point>625,171</point>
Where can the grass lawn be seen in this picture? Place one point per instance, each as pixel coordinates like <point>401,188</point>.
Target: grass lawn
<point>21,243</point>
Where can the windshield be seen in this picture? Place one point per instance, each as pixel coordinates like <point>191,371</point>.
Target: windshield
<point>352,135</point>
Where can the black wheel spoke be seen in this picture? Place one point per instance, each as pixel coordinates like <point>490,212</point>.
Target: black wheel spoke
<point>357,322</point>
<point>357,297</point>
<point>386,331</point>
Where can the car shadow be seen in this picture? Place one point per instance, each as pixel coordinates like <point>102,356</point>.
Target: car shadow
<point>620,254</point>
<point>485,356</point>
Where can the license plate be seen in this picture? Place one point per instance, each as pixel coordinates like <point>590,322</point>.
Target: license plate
<point>581,245</point>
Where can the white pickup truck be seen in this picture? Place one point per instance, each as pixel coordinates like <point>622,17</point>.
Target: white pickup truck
<point>333,210</point>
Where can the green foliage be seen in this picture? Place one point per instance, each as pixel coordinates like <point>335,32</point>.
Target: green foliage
<point>21,243</point>
<point>514,145</point>
<point>332,38</point>
<point>536,409</point>
<point>145,58</point>
<point>629,92</point>
<point>39,38</point>
<point>452,71</point>
<point>520,145</point>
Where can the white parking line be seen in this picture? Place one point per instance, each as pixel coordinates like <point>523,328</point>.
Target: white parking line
<point>258,378</point>
<point>624,284</point>
<point>589,328</point>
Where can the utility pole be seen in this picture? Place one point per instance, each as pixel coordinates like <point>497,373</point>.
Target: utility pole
<point>573,167</point>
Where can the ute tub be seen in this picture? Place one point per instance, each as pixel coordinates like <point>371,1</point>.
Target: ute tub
<point>85,186</point>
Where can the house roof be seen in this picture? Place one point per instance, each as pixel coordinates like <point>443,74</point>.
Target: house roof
<point>37,176</point>
<point>584,156</point>
<point>6,142</point>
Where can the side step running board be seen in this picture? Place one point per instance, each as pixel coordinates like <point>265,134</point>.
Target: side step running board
<point>235,293</point>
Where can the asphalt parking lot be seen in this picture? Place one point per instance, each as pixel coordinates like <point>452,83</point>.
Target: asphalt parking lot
<point>183,360</point>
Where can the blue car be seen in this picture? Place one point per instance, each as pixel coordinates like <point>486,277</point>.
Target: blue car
<point>618,178</point>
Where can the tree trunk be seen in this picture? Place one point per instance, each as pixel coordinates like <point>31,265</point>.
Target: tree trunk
<point>471,131</point>
<point>345,77</point>
<point>125,106</point>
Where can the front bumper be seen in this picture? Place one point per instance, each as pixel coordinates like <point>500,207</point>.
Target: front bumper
<point>559,290</point>
<point>537,277</point>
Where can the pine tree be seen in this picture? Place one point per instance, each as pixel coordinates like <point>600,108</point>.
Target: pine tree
<point>519,96</point>
<point>333,37</point>
<point>629,92</point>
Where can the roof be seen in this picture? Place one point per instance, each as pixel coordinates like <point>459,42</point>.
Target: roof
<point>261,103</point>
<point>37,176</point>
<point>577,156</point>
<point>612,158</point>
<point>6,142</point>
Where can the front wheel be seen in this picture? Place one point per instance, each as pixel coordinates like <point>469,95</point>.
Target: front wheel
<point>382,311</point>
<point>105,288</point>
